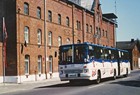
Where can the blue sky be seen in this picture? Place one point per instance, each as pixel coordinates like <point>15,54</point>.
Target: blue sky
<point>128,12</point>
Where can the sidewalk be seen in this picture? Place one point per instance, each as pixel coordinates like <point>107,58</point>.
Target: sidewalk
<point>11,87</point>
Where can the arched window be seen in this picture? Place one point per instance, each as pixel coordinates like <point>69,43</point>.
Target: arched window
<point>39,64</point>
<point>39,36</point>
<point>90,28</point>
<point>78,41</point>
<point>27,62</point>
<point>67,21</point>
<point>59,41</point>
<point>49,16</point>
<point>26,8</point>
<point>87,27</point>
<point>68,41</point>
<point>50,38</point>
<point>39,12</point>
<point>59,19</point>
<point>26,34</point>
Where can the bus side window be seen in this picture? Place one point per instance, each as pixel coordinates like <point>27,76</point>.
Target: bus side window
<point>69,58</point>
<point>91,54</point>
<point>112,56</point>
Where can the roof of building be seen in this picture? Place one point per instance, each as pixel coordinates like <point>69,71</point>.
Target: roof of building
<point>128,45</point>
<point>88,6</point>
<point>110,15</point>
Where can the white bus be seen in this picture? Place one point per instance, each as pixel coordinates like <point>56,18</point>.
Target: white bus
<point>91,62</point>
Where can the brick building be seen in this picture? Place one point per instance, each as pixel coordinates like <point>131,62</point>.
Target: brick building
<point>36,29</point>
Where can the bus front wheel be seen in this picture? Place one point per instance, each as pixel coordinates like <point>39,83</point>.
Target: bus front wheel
<point>114,76</point>
<point>126,73</point>
<point>98,80</point>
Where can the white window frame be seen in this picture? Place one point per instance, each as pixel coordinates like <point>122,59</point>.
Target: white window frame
<point>39,12</point>
<point>26,8</point>
<point>59,41</point>
<point>39,36</point>
<point>26,34</point>
<point>67,21</point>
<point>50,38</point>
<point>50,64</point>
<point>39,64</point>
<point>59,19</point>
<point>49,16</point>
<point>68,41</point>
<point>27,62</point>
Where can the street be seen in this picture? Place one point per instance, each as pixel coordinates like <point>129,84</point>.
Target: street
<point>122,86</point>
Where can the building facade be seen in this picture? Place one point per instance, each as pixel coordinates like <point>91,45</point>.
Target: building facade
<point>37,28</point>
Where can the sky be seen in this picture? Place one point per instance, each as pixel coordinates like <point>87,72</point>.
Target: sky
<point>128,13</point>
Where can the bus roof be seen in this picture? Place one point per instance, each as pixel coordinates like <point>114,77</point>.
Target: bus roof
<point>86,43</point>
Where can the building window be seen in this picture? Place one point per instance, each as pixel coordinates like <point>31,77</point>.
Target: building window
<point>90,28</point>
<point>50,64</point>
<point>39,12</point>
<point>98,16</point>
<point>26,34</point>
<point>27,62</point>
<point>106,33</point>
<point>39,64</point>
<point>67,21</point>
<point>99,32</point>
<point>103,33</point>
<point>87,27</point>
<point>59,41</point>
<point>26,8</point>
<point>50,38</point>
<point>78,41</point>
<point>49,16</point>
<point>68,41</point>
<point>78,25</point>
<point>59,19</point>
<point>39,36</point>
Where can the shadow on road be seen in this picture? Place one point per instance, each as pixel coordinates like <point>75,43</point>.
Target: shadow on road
<point>133,83</point>
<point>78,84</point>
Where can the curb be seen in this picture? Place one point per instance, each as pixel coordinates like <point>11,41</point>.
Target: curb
<point>11,87</point>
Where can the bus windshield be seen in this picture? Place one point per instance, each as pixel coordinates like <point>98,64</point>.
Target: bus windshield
<point>78,51</point>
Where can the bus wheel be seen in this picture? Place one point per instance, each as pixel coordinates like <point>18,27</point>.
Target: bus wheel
<point>114,77</point>
<point>126,73</point>
<point>98,80</point>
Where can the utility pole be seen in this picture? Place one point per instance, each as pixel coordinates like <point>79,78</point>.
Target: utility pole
<point>115,30</point>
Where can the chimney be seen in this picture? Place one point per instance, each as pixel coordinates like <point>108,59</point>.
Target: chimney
<point>132,40</point>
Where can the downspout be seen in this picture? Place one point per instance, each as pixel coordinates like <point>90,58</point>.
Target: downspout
<point>83,25</point>
<point>73,24</point>
<point>73,33</point>
<point>45,40</point>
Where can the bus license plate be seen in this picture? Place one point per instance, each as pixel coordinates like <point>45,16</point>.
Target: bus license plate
<point>72,75</point>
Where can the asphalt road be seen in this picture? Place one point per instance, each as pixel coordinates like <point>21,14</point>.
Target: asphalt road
<point>121,86</point>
